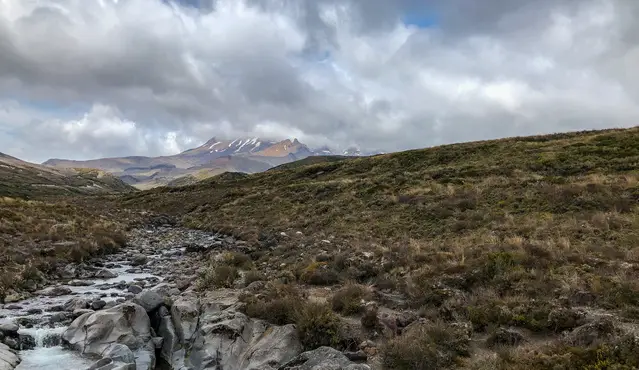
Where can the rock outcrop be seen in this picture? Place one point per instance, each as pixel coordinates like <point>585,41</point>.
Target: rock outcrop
<point>210,336</point>
<point>121,333</point>
<point>8,358</point>
<point>323,358</point>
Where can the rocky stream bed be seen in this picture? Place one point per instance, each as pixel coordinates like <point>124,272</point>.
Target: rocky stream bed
<point>137,309</point>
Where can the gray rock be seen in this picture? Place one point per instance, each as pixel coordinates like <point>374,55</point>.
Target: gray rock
<point>149,299</point>
<point>138,259</point>
<point>56,291</point>
<point>212,335</point>
<point>98,305</point>
<point>58,317</point>
<point>323,358</point>
<point>13,343</point>
<point>105,274</point>
<point>109,364</point>
<point>135,289</point>
<point>8,359</point>
<point>126,324</point>
<point>80,283</point>
<point>76,304</point>
<point>79,312</point>
<point>9,328</point>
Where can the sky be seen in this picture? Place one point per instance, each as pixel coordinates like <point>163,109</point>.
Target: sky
<point>83,79</point>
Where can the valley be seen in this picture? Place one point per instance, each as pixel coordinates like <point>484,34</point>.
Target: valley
<point>518,253</point>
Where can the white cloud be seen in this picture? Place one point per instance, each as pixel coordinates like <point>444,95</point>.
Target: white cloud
<point>159,79</point>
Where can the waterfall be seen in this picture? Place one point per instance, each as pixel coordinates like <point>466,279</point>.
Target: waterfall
<point>45,337</point>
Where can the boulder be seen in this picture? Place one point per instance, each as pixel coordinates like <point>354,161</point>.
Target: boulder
<point>9,328</point>
<point>76,304</point>
<point>105,274</point>
<point>138,259</point>
<point>135,289</point>
<point>149,299</point>
<point>109,364</point>
<point>202,335</point>
<point>120,333</point>
<point>98,304</point>
<point>323,358</point>
<point>8,358</point>
<point>56,291</point>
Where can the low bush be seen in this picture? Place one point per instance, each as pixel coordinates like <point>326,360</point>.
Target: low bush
<point>426,346</point>
<point>348,300</point>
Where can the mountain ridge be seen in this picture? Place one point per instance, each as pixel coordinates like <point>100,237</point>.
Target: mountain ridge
<point>215,156</point>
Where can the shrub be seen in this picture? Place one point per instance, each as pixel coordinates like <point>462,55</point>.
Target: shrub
<point>318,326</point>
<point>348,300</point>
<point>278,305</point>
<point>426,346</point>
<point>253,276</point>
<point>318,273</point>
<point>370,320</point>
<point>217,277</point>
<point>238,260</point>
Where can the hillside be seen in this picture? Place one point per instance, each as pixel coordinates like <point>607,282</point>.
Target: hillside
<point>528,245</point>
<point>22,179</point>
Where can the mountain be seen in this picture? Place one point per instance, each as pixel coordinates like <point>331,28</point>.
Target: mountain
<point>248,155</point>
<point>23,179</point>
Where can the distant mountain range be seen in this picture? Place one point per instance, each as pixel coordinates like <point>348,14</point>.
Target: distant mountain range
<point>248,155</point>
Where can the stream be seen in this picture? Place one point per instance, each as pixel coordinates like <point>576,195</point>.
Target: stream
<point>102,283</point>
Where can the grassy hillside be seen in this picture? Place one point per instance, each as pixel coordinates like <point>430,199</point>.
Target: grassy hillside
<point>316,159</point>
<point>28,180</point>
<point>536,234</point>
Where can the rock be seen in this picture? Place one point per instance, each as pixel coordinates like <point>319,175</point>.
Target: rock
<point>76,304</point>
<point>9,328</point>
<point>8,359</point>
<point>80,283</point>
<point>183,284</point>
<point>16,297</point>
<point>26,342</point>
<point>135,289</point>
<point>56,291</point>
<point>100,332</point>
<point>587,334</point>
<point>98,305</point>
<point>358,356</point>
<point>105,274</point>
<point>79,312</point>
<point>214,338</point>
<point>505,337</point>
<point>149,300</point>
<point>34,311</point>
<point>323,358</point>
<point>12,307</point>
<point>108,364</point>
<point>13,343</point>
<point>138,259</point>
<point>58,317</point>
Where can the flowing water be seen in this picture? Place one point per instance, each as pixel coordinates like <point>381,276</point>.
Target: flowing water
<point>48,353</point>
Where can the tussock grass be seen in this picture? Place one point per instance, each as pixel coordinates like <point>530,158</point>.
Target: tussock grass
<point>37,237</point>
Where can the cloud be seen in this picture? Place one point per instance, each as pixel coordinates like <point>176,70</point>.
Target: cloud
<point>90,78</point>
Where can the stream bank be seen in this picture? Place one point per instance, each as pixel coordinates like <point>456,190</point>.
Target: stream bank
<point>137,309</point>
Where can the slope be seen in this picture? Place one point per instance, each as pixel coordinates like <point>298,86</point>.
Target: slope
<point>27,180</point>
<point>532,238</point>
